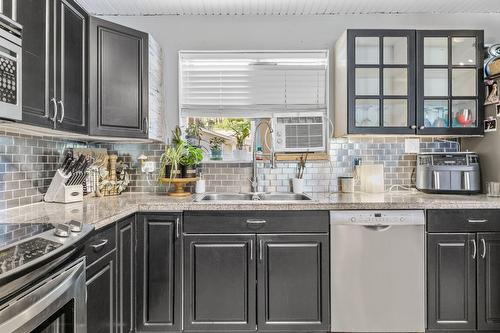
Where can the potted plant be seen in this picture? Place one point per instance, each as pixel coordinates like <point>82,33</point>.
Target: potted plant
<point>241,132</point>
<point>216,148</point>
<point>170,161</point>
<point>190,160</point>
<point>177,137</point>
<point>193,134</point>
<point>298,181</point>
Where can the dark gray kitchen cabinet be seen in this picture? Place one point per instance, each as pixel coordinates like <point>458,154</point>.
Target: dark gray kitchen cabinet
<point>409,82</point>
<point>451,281</point>
<point>126,260</point>
<point>71,66</point>
<point>488,282</point>
<point>220,277</point>
<point>54,64</point>
<point>118,63</point>
<point>159,272</point>
<point>35,16</point>
<point>293,283</point>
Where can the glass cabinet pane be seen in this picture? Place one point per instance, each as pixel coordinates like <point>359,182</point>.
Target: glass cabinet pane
<point>463,82</point>
<point>435,51</point>
<point>367,113</point>
<point>395,113</point>
<point>435,82</point>
<point>367,51</point>
<point>464,113</point>
<point>436,113</point>
<point>463,51</point>
<point>367,81</point>
<point>395,50</point>
<point>396,81</point>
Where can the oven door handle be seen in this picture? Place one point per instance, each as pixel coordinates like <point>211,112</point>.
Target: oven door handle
<point>27,311</point>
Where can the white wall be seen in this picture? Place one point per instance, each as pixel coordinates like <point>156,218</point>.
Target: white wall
<point>176,33</point>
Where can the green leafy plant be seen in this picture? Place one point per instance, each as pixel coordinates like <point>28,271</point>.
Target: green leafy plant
<point>193,131</point>
<point>171,156</point>
<point>216,143</point>
<point>241,132</point>
<point>192,156</point>
<point>177,137</point>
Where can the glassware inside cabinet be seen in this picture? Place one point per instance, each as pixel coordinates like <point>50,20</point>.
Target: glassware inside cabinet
<point>367,113</point>
<point>464,113</point>
<point>436,113</point>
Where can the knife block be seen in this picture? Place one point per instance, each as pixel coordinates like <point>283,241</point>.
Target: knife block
<point>60,192</point>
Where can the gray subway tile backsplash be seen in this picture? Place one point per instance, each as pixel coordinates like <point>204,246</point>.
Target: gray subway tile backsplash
<point>27,164</point>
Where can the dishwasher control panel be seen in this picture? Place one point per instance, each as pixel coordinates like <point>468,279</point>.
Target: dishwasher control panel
<point>378,217</point>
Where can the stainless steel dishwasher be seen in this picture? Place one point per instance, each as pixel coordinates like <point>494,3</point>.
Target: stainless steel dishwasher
<point>378,271</point>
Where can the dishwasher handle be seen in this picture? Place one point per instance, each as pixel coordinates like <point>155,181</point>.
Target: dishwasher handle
<point>378,227</point>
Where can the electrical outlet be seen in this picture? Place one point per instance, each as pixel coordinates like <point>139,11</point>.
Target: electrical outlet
<point>412,146</point>
<point>148,167</point>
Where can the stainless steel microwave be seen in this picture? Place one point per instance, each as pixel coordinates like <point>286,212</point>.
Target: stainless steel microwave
<point>10,69</point>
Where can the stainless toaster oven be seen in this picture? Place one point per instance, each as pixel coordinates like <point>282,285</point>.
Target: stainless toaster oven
<point>448,173</point>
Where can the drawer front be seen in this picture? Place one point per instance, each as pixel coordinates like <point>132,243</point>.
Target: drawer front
<point>103,242</point>
<point>463,220</point>
<point>256,222</point>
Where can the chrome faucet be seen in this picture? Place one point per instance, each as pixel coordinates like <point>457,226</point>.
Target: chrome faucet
<point>253,181</point>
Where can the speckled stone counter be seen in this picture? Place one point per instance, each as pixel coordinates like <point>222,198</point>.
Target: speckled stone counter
<point>103,211</point>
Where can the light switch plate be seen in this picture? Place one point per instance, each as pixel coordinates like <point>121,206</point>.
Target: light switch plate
<point>412,146</point>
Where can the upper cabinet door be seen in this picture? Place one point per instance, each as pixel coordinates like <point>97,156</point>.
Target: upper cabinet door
<point>381,67</point>
<point>118,80</point>
<point>71,67</point>
<point>450,93</point>
<point>35,16</point>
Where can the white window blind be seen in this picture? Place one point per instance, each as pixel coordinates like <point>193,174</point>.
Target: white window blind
<point>252,84</point>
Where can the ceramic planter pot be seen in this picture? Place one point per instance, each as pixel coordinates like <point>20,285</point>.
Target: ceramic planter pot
<point>188,171</point>
<point>216,154</point>
<point>168,169</point>
<point>298,185</point>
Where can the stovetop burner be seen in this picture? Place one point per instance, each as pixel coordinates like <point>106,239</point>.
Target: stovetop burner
<point>25,252</point>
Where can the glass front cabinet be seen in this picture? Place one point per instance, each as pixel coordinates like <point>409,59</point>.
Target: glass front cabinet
<point>409,82</point>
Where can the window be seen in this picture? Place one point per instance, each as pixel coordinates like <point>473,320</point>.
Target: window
<point>219,89</point>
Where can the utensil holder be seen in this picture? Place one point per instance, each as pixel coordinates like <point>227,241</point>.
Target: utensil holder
<point>60,192</point>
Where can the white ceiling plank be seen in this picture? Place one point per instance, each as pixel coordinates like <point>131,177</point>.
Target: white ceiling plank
<point>285,7</point>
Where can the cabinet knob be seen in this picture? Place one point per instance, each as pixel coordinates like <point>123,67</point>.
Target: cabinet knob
<point>413,126</point>
<point>421,127</point>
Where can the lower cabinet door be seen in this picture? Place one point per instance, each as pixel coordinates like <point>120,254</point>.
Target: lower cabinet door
<point>125,275</point>
<point>219,283</point>
<point>451,281</point>
<point>159,272</point>
<point>101,296</point>
<point>488,282</point>
<point>293,283</point>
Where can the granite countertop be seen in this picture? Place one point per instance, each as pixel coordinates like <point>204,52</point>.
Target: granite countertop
<point>103,211</point>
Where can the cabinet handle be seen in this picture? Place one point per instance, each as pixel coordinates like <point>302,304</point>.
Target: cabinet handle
<point>413,126</point>
<point>98,247</point>
<point>177,232</point>
<point>474,251</point>
<point>477,220</point>
<point>146,125</point>
<point>437,184</point>
<point>62,111</point>
<point>53,100</point>
<point>261,250</point>
<point>251,250</point>
<point>484,248</point>
<point>252,221</point>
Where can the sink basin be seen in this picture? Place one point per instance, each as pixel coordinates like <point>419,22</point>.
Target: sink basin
<point>284,197</point>
<point>253,197</point>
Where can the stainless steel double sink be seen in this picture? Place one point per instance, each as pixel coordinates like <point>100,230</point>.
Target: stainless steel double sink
<point>252,197</point>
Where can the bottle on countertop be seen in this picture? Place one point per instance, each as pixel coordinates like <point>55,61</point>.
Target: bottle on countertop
<point>259,154</point>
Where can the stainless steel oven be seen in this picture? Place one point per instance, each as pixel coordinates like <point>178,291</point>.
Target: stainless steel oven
<point>43,281</point>
<point>10,69</point>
